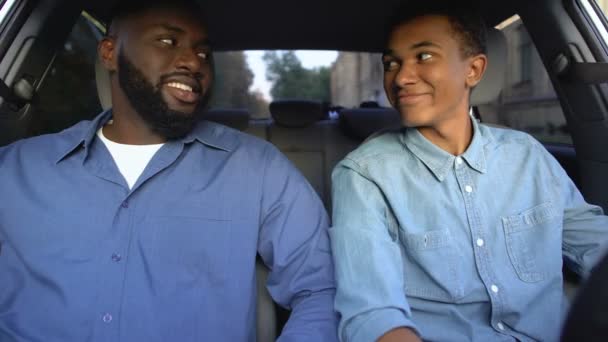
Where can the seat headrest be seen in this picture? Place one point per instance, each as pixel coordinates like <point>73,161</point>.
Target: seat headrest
<point>296,113</point>
<point>233,118</point>
<point>488,89</point>
<point>360,123</point>
<point>102,79</point>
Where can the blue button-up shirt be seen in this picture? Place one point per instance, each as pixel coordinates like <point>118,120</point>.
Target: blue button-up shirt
<point>465,248</point>
<point>83,258</point>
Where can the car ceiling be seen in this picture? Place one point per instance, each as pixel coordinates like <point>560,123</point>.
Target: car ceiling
<point>347,25</point>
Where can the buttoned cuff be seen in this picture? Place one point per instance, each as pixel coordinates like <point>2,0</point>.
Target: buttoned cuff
<point>377,323</point>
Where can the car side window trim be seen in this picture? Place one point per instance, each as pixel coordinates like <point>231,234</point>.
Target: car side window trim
<point>6,7</point>
<point>596,19</point>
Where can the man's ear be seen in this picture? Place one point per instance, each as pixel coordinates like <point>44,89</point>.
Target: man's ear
<point>108,52</point>
<point>477,67</point>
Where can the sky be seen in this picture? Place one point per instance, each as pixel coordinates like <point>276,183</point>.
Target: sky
<point>309,59</point>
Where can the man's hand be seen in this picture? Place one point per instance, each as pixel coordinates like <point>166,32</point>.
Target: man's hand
<point>400,335</point>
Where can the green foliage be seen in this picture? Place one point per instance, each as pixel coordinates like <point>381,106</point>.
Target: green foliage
<point>233,78</point>
<point>290,80</point>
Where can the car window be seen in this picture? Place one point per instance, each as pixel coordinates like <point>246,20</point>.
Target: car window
<point>603,5</point>
<point>528,101</point>
<point>253,79</point>
<point>68,93</point>
<point>597,10</point>
<point>595,14</point>
<point>5,7</point>
<point>234,84</point>
<point>351,79</point>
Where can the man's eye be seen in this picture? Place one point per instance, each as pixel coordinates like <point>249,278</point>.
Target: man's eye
<point>424,56</point>
<point>390,65</point>
<point>167,41</point>
<point>203,55</point>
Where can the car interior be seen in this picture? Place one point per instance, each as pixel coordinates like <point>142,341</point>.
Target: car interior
<point>570,36</point>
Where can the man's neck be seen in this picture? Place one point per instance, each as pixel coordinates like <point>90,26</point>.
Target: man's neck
<point>453,136</point>
<point>127,127</point>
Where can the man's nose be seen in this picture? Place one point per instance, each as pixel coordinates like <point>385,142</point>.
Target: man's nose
<point>188,59</point>
<point>407,74</point>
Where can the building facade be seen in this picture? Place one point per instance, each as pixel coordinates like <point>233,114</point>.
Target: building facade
<point>356,78</point>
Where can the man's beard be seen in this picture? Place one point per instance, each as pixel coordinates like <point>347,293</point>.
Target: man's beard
<point>148,102</point>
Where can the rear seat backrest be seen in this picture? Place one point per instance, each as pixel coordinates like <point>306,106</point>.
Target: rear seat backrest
<point>490,86</point>
<point>296,113</point>
<point>233,118</point>
<point>361,123</point>
<point>294,132</point>
<point>315,144</point>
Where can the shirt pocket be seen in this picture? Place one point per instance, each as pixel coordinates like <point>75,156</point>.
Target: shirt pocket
<point>432,266</point>
<point>533,238</point>
<point>189,247</point>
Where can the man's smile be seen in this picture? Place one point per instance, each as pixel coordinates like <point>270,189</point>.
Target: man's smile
<point>409,98</point>
<point>183,92</point>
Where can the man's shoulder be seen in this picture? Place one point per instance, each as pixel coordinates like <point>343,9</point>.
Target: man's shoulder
<point>253,153</point>
<point>46,146</point>
<point>236,141</point>
<point>505,137</point>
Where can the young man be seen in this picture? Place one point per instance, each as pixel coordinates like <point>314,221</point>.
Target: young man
<point>450,230</point>
<point>144,224</point>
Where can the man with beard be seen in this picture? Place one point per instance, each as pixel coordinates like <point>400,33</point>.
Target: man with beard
<point>144,224</point>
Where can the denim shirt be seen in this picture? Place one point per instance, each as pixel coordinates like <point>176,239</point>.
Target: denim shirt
<point>84,258</point>
<point>465,248</point>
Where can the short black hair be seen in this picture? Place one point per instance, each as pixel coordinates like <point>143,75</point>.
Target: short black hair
<point>126,8</point>
<point>464,16</point>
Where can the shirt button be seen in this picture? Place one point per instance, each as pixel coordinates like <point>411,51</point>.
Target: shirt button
<point>116,257</point>
<point>494,288</point>
<point>480,242</point>
<point>500,326</point>
<point>468,189</point>
<point>125,204</point>
<point>107,318</point>
<point>458,161</point>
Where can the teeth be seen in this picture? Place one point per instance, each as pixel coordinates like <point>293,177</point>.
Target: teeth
<point>180,86</point>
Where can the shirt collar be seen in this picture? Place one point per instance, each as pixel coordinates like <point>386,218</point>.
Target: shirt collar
<point>475,155</point>
<point>83,134</point>
<point>440,161</point>
<point>212,135</point>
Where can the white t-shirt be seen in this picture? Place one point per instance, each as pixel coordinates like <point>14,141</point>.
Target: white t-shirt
<point>131,160</point>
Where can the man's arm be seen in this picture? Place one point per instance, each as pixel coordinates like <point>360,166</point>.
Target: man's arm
<point>294,244</point>
<point>585,234</point>
<point>585,227</point>
<point>369,268</point>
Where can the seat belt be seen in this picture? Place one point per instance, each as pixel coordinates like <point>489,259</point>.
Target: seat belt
<point>586,72</point>
<point>571,67</point>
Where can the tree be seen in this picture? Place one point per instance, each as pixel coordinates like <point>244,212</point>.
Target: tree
<point>233,78</point>
<point>291,80</point>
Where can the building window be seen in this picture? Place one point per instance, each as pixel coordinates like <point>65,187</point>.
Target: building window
<point>525,56</point>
